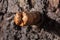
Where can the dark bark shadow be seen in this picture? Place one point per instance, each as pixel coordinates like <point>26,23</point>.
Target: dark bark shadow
<point>16,27</point>
<point>51,25</point>
<point>1,13</point>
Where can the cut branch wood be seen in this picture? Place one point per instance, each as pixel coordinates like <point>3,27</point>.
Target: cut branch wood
<point>27,18</point>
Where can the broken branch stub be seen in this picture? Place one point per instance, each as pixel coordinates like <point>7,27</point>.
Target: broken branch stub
<point>27,18</point>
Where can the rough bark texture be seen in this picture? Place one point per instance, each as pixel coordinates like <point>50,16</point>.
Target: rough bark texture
<point>49,29</point>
